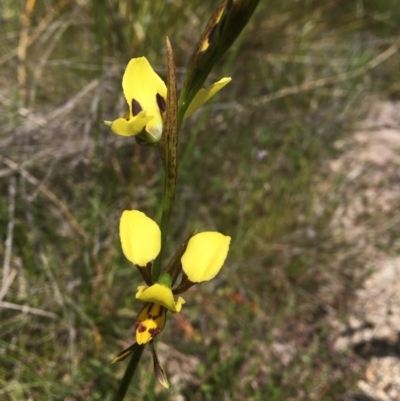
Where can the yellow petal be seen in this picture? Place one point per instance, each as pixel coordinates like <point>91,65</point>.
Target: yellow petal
<point>145,90</point>
<point>150,322</point>
<point>205,254</point>
<point>134,126</point>
<point>140,237</point>
<point>204,95</point>
<point>144,331</point>
<point>160,294</point>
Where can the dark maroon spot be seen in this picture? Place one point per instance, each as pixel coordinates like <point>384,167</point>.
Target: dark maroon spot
<point>140,327</point>
<point>136,108</point>
<point>161,103</point>
<point>154,332</point>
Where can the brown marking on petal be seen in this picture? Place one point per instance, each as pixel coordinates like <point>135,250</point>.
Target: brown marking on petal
<point>161,103</point>
<point>161,312</point>
<point>136,108</point>
<point>154,332</point>
<point>140,327</point>
<point>155,317</point>
<point>209,31</point>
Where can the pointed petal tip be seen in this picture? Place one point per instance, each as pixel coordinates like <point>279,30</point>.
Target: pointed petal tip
<point>165,382</point>
<point>204,95</point>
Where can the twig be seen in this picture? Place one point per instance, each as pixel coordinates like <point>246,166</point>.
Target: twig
<point>70,318</point>
<point>57,293</point>
<point>24,112</point>
<point>94,109</point>
<point>318,83</point>
<point>22,46</point>
<point>28,309</point>
<point>33,159</point>
<point>50,195</point>
<point>7,284</point>
<point>10,235</point>
<point>37,32</point>
<point>72,342</point>
<point>68,106</point>
<point>43,59</point>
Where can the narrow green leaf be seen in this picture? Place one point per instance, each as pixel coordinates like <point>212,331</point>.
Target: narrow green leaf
<point>223,28</point>
<point>129,373</point>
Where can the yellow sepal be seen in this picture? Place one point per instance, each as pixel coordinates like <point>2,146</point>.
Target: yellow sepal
<point>140,237</point>
<point>205,255</point>
<point>204,95</point>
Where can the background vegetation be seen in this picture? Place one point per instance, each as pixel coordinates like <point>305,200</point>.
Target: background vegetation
<point>254,167</point>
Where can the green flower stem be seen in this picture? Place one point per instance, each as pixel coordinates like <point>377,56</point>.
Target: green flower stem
<point>168,202</point>
<point>129,373</point>
<point>169,155</point>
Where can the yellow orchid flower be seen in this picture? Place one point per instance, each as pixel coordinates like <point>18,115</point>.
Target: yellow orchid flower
<point>202,260</point>
<point>146,94</point>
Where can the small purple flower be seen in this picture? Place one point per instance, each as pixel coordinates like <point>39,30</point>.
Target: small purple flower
<point>261,154</point>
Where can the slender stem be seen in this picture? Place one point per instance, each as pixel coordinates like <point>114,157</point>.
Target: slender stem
<point>129,373</point>
<point>169,155</point>
<point>168,202</point>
